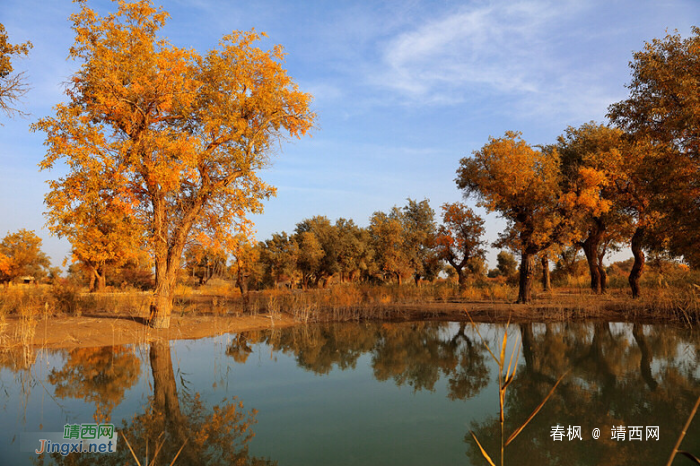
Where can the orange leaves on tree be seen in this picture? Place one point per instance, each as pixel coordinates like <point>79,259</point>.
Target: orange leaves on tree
<point>459,237</point>
<point>185,133</point>
<point>523,185</point>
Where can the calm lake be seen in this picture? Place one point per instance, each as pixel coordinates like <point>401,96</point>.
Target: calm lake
<point>365,394</point>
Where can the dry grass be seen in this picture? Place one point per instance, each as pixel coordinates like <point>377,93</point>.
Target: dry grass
<point>677,300</point>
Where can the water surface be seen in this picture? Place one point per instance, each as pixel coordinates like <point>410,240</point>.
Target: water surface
<point>364,394</point>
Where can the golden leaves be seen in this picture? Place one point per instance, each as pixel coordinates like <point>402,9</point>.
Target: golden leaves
<point>521,183</point>
<point>175,137</point>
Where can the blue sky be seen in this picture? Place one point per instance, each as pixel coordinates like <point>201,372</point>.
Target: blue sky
<point>403,90</point>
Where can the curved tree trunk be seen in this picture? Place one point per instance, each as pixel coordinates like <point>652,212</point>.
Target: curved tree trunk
<point>591,248</point>
<point>102,277</point>
<point>98,281</point>
<point>591,252</point>
<point>92,280</point>
<point>639,260</point>
<point>461,277</point>
<point>603,275</point>
<point>526,274</point>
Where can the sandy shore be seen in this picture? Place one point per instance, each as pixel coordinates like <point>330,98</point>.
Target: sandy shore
<point>106,329</point>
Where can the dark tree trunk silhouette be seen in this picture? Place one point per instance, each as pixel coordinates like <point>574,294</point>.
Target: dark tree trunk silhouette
<point>591,248</point>
<point>639,260</point>
<point>645,361</point>
<point>165,396</point>
<point>526,273</point>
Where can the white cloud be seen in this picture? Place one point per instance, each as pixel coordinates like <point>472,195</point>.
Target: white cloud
<point>510,50</point>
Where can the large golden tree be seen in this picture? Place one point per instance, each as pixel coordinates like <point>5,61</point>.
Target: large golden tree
<point>184,134</point>
<point>522,184</point>
<point>664,107</point>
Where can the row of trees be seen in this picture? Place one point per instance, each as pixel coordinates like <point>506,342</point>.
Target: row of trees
<point>405,243</point>
<point>163,146</point>
<point>634,182</point>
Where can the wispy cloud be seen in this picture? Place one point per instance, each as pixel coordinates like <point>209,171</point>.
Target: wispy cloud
<point>503,49</point>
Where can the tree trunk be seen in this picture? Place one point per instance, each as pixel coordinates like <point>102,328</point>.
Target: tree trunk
<point>169,242</point>
<point>102,277</point>
<point>639,259</point>
<point>93,280</point>
<point>162,304</point>
<point>590,249</point>
<point>242,284</point>
<point>546,277</point>
<point>645,361</point>
<point>166,399</point>
<point>97,278</point>
<point>603,275</point>
<point>461,277</point>
<point>528,341</point>
<point>164,386</point>
<point>526,272</point>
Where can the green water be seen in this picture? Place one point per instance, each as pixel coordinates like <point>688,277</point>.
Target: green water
<point>363,394</point>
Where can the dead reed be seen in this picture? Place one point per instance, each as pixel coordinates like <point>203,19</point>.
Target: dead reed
<point>506,375</point>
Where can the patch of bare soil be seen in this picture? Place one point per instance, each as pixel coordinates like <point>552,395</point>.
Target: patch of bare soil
<point>109,329</point>
<point>89,331</point>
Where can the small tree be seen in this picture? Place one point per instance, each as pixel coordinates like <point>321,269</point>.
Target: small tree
<point>506,264</point>
<point>21,255</point>
<point>326,237</point>
<point>246,267</point>
<point>419,244</point>
<point>205,263</point>
<point>310,258</point>
<point>459,238</point>
<point>353,249</point>
<point>388,243</point>
<point>278,256</point>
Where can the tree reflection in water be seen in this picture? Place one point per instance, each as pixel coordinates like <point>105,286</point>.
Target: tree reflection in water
<point>611,383</point>
<point>97,375</point>
<point>415,354</point>
<point>619,374</point>
<point>219,436</point>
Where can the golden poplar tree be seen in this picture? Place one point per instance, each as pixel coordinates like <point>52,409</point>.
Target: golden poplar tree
<point>459,238</point>
<point>663,107</point>
<point>522,184</point>
<point>184,134</point>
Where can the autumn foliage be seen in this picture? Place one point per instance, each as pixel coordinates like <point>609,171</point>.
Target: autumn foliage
<point>176,138</point>
<point>522,184</point>
<point>12,84</point>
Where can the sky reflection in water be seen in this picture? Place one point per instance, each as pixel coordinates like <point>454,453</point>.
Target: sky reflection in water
<point>363,394</point>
